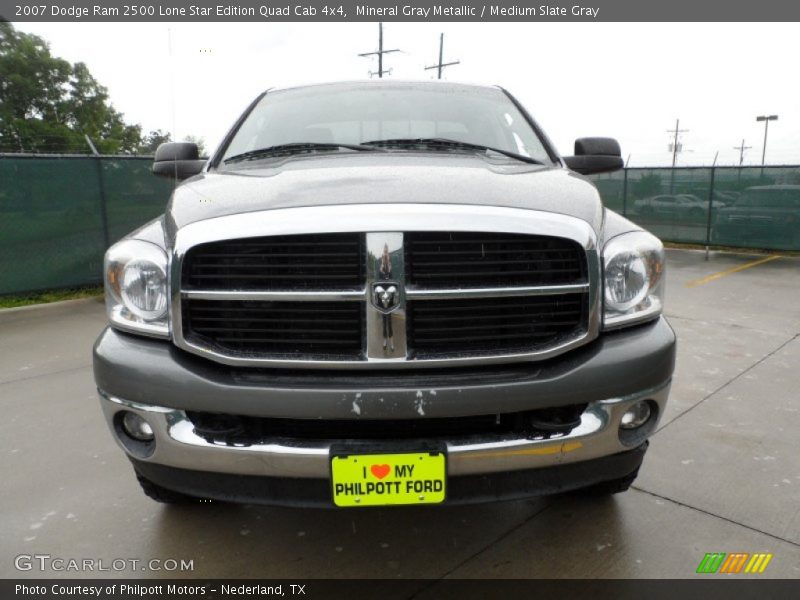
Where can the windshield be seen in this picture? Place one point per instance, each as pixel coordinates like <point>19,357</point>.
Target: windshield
<point>358,113</point>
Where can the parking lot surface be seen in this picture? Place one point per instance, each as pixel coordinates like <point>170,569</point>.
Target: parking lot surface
<point>722,473</point>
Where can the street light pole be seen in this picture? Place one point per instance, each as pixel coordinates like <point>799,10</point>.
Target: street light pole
<point>766,119</point>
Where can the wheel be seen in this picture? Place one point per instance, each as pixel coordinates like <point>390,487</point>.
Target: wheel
<point>695,214</point>
<point>607,488</point>
<point>162,494</point>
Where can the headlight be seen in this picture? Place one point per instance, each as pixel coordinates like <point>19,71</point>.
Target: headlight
<point>633,273</point>
<point>136,287</point>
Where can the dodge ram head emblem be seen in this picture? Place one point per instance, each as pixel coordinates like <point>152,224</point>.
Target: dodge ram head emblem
<point>385,296</point>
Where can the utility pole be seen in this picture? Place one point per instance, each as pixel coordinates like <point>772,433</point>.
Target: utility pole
<point>91,145</point>
<point>741,150</point>
<point>676,146</point>
<point>441,64</point>
<point>379,53</point>
<point>766,119</point>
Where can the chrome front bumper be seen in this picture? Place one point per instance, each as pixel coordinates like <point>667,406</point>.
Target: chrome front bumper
<point>176,444</point>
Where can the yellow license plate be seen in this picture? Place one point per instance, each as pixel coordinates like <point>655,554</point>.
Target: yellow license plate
<point>385,479</point>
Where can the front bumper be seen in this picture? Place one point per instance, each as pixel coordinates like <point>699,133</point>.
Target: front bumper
<point>161,383</point>
<point>177,445</point>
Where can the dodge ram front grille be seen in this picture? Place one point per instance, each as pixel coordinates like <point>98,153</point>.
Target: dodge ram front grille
<point>386,299</point>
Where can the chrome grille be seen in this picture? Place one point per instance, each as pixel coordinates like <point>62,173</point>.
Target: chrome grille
<point>525,289</point>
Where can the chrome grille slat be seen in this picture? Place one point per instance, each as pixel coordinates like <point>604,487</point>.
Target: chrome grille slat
<point>497,292</point>
<point>294,276</point>
<point>296,295</point>
<point>492,327</point>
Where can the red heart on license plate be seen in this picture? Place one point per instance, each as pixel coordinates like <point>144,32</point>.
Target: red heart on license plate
<point>380,471</point>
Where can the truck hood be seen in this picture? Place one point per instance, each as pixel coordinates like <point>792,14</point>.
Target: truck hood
<point>383,178</point>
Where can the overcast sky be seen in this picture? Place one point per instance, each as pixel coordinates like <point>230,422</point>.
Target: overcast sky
<point>629,81</point>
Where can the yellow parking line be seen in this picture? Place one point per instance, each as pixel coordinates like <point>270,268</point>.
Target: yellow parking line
<point>754,263</point>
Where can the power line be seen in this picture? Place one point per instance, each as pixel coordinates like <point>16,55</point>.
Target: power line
<point>379,53</point>
<point>741,150</point>
<point>676,146</point>
<point>441,65</point>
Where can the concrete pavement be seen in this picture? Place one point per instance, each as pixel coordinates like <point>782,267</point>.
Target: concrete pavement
<point>722,474</point>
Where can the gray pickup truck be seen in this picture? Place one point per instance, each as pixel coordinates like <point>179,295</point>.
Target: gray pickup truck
<point>384,293</point>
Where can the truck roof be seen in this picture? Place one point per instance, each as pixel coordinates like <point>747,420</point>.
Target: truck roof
<point>387,83</point>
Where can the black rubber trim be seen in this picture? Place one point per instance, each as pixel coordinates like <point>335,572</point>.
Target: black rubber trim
<point>301,492</point>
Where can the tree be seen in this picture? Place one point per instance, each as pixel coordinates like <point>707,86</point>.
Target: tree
<point>152,141</point>
<point>49,105</point>
<point>201,143</point>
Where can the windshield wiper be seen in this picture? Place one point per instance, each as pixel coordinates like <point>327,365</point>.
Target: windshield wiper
<point>445,143</point>
<point>299,148</point>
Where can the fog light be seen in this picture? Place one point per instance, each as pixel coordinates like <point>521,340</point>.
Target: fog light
<point>136,427</point>
<point>636,416</point>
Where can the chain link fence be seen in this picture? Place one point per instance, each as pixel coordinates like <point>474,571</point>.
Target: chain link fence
<point>742,207</point>
<point>58,214</point>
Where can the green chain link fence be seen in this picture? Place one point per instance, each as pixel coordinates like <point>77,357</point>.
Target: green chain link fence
<point>58,214</point>
<point>742,207</point>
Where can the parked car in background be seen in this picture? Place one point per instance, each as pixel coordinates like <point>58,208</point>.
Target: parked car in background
<point>767,214</point>
<point>725,197</point>
<point>677,207</point>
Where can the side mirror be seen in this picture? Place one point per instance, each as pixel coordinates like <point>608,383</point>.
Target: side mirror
<point>178,160</point>
<point>595,155</point>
